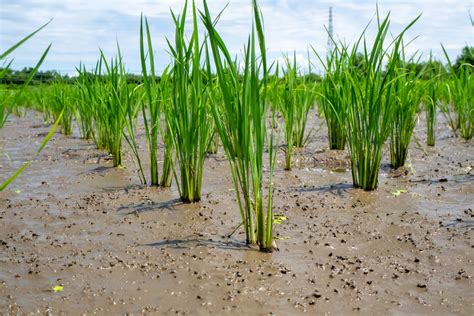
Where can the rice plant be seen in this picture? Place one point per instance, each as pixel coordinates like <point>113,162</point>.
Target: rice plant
<point>214,143</point>
<point>459,110</point>
<point>241,121</point>
<point>368,89</point>
<point>115,108</point>
<point>155,92</point>
<point>91,110</point>
<point>61,102</point>
<point>431,98</point>
<point>132,107</point>
<point>4,111</point>
<point>42,104</point>
<point>115,105</point>
<point>43,144</point>
<point>24,99</point>
<point>8,101</point>
<point>305,100</point>
<point>407,97</point>
<point>167,169</point>
<point>84,101</point>
<point>4,107</point>
<point>213,86</point>
<point>274,95</point>
<point>430,109</point>
<point>333,106</point>
<point>187,117</point>
<point>293,96</point>
<point>288,105</point>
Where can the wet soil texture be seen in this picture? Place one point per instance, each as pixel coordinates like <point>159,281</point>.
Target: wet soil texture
<point>78,236</point>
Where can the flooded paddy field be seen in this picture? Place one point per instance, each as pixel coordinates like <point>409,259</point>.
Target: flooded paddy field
<point>116,246</point>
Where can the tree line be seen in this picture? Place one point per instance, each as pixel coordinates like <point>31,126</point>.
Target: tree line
<point>19,77</point>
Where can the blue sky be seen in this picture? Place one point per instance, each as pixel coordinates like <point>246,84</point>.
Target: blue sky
<point>80,27</point>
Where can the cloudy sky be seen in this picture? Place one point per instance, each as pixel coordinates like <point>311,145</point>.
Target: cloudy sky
<point>80,27</point>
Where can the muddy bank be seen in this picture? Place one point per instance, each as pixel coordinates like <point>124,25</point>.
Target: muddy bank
<point>116,246</point>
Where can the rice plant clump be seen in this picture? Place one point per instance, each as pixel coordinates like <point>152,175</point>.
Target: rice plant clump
<point>368,87</point>
<point>84,101</point>
<point>188,114</point>
<point>153,104</point>
<point>113,106</point>
<point>459,109</point>
<point>332,100</point>
<point>112,102</point>
<point>8,101</point>
<point>407,97</point>
<point>62,102</point>
<point>293,96</point>
<point>242,125</point>
<point>431,97</point>
<point>305,99</point>
<point>288,105</point>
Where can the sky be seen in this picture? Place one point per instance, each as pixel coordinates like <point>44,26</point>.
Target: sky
<point>80,27</point>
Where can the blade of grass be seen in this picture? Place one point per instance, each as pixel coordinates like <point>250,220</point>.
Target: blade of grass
<point>38,151</point>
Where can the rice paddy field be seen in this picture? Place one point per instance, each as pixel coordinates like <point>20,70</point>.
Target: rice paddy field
<point>223,186</point>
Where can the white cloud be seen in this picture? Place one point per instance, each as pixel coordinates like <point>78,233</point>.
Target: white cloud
<point>80,27</point>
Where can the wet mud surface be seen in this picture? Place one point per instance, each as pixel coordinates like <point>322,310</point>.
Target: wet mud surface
<point>118,247</point>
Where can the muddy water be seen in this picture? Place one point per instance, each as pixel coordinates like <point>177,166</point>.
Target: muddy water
<point>118,247</point>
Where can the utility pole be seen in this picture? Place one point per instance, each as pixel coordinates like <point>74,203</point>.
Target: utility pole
<point>330,32</point>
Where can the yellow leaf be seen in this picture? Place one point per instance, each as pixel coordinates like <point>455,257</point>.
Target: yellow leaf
<point>57,288</point>
<point>278,219</point>
<point>398,192</point>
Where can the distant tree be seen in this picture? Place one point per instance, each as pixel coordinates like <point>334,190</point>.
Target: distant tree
<point>359,61</point>
<point>18,77</point>
<point>134,79</point>
<point>466,57</point>
<point>435,68</point>
<point>312,77</point>
<point>428,69</point>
